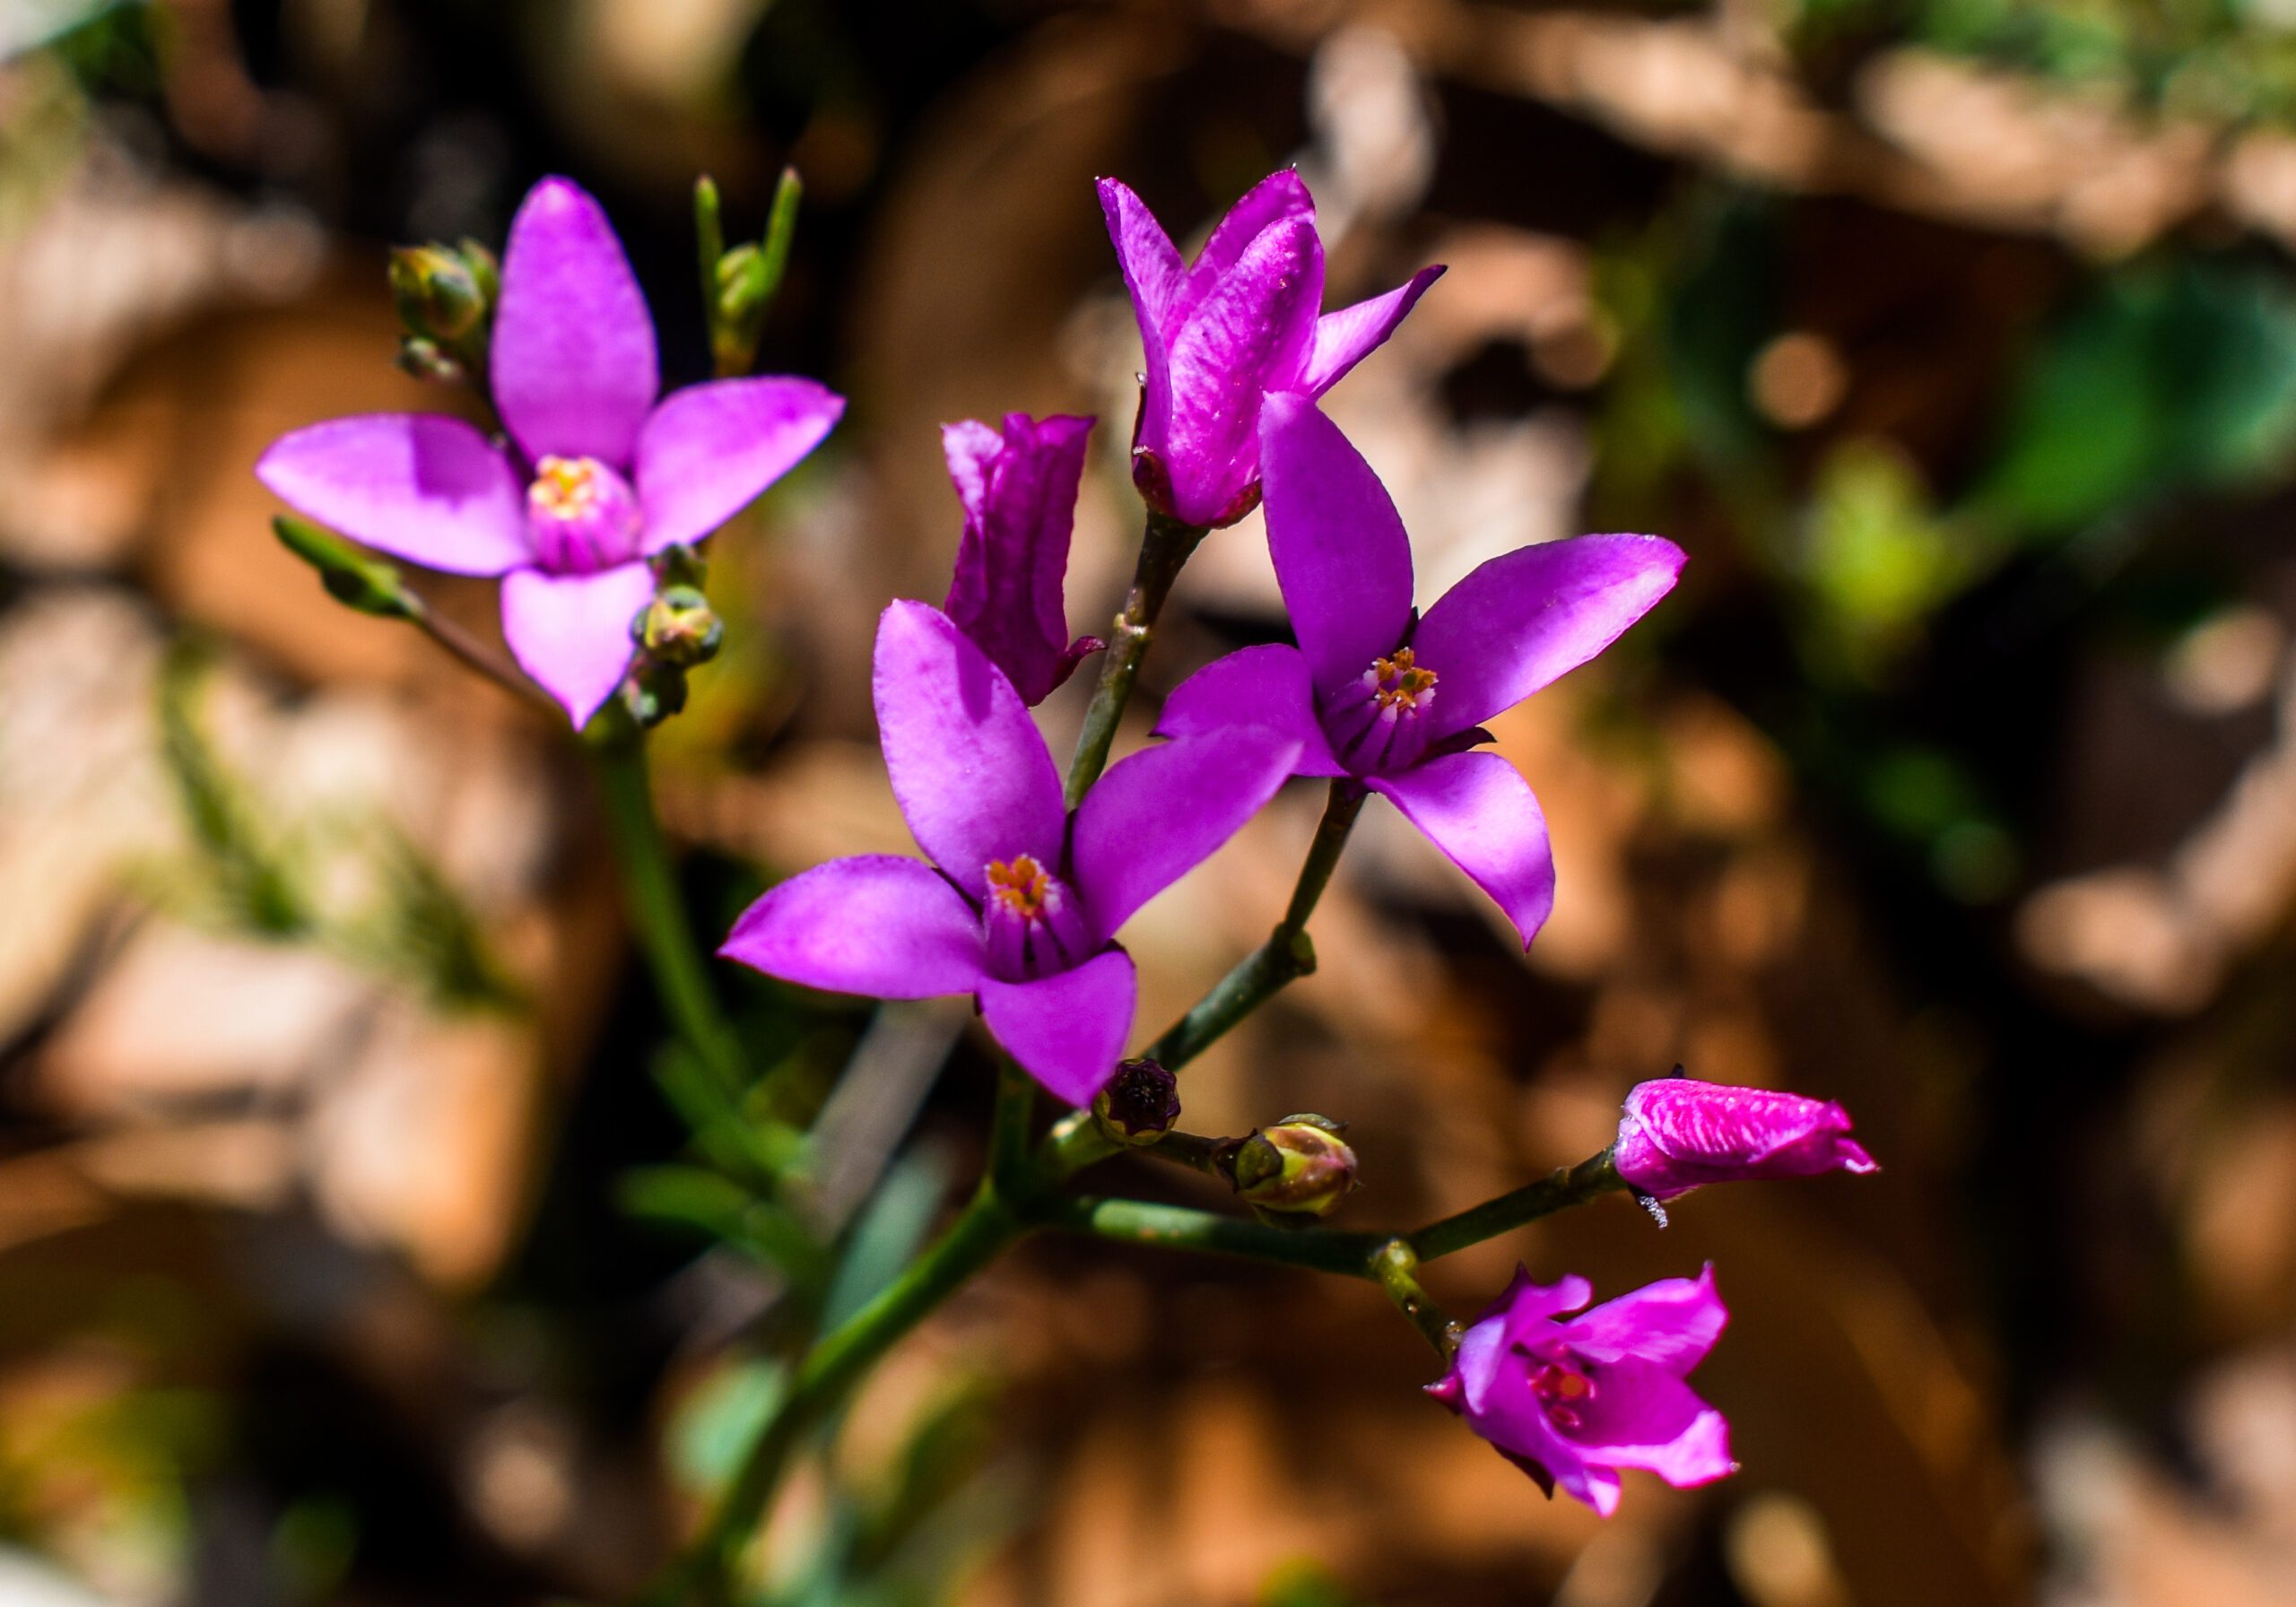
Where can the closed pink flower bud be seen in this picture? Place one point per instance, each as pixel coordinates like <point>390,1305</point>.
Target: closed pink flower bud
<point>1676,1133</point>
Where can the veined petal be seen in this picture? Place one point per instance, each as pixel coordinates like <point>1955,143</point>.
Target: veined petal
<point>1480,811</point>
<point>1340,552</point>
<point>1153,271</point>
<point>572,362</point>
<point>571,632</point>
<point>1277,198</point>
<point>1266,686</point>
<point>880,925</point>
<point>1019,492</point>
<point>710,450</point>
<point>1672,1323</point>
<point>1530,616</point>
<point>1066,1030</point>
<point>431,489</point>
<point>1157,814</point>
<point>969,768</point>
<point>1249,335</point>
<point>1346,337</point>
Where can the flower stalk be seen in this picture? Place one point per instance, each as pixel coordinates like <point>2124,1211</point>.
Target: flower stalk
<point>1165,545</point>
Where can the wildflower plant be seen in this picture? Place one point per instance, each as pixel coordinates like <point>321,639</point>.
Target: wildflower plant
<point>588,495</point>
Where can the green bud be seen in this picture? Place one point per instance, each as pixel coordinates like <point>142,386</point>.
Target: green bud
<point>678,628</point>
<point>350,575</point>
<point>1139,1105</point>
<point>423,358</point>
<point>656,693</point>
<point>440,298</point>
<point>1299,1166</point>
<point>742,289</point>
<point>484,268</point>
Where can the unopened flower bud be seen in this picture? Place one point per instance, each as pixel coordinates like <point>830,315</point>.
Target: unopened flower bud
<point>439,296</point>
<point>656,693</point>
<point>1139,1105</point>
<point>742,292</point>
<point>423,359</point>
<point>679,628</point>
<point>1299,1167</point>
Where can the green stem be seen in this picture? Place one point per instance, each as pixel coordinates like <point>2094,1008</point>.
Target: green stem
<point>1560,1189</point>
<point>1164,547</point>
<point>657,911</point>
<point>1285,957</point>
<point>985,1228</point>
<point>1008,1135</point>
<point>1191,1150</point>
<point>1395,1264</point>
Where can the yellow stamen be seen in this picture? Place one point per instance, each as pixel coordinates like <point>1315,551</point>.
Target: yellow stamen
<point>1397,682</point>
<point>1019,885</point>
<point>565,488</point>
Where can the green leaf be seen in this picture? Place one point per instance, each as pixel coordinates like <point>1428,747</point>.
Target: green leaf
<point>352,577</point>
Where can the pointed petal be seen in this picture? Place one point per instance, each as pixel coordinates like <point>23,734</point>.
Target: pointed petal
<point>1019,492</point>
<point>571,632</point>
<point>1153,271</point>
<point>1480,811</point>
<point>432,490</point>
<point>1532,615</point>
<point>1340,552</point>
<point>880,925</point>
<point>1280,196</point>
<point>1267,686</point>
<point>969,769</point>
<point>1346,337</point>
<point>1249,335</point>
<point>1673,1323</point>
<point>710,450</point>
<point>572,364</point>
<point>1159,813</point>
<point>1067,1030</point>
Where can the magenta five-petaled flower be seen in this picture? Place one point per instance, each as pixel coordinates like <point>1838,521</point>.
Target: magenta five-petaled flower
<point>1571,1400</point>
<point>1225,331</point>
<point>1021,902</point>
<point>1676,1133</point>
<point>1019,492</point>
<point>596,477</point>
<point>1375,692</point>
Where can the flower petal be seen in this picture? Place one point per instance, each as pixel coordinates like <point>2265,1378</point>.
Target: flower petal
<point>710,450</point>
<point>1267,686</point>
<point>571,632</point>
<point>1526,618</point>
<point>1280,196</point>
<point>572,362</point>
<point>1346,337</point>
<point>881,925</point>
<point>1067,1030</point>
<point>1157,814</point>
<point>1672,1323</point>
<point>969,768</point>
<point>1249,335</point>
<point>1478,809</point>
<point>1019,492</point>
<point>1641,1415</point>
<point>1340,552</point>
<point>1153,271</point>
<point>432,490</point>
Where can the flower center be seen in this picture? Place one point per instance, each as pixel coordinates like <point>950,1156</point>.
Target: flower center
<point>582,515</point>
<point>1019,886</point>
<point>1561,1389</point>
<point>1397,685</point>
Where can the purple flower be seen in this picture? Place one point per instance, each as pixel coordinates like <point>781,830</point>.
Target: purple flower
<point>1376,692</point>
<point>1021,900</point>
<point>596,477</point>
<point>1571,1400</point>
<point>1224,331</point>
<point>1019,491</point>
<point>1676,1133</point>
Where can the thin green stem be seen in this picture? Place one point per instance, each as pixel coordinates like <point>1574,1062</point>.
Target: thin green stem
<point>1008,1135</point>
<point>1164,547</point>
<point>1559,1190</point>
<point>709,249</point>
<point>1190,1150</point>
<point>1285,957</point>
<point>658,910</point>
<point>1395,1264</point>
<point>984,1230</point>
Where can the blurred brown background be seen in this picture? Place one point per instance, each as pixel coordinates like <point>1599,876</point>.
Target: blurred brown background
<point>1955,339</point>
